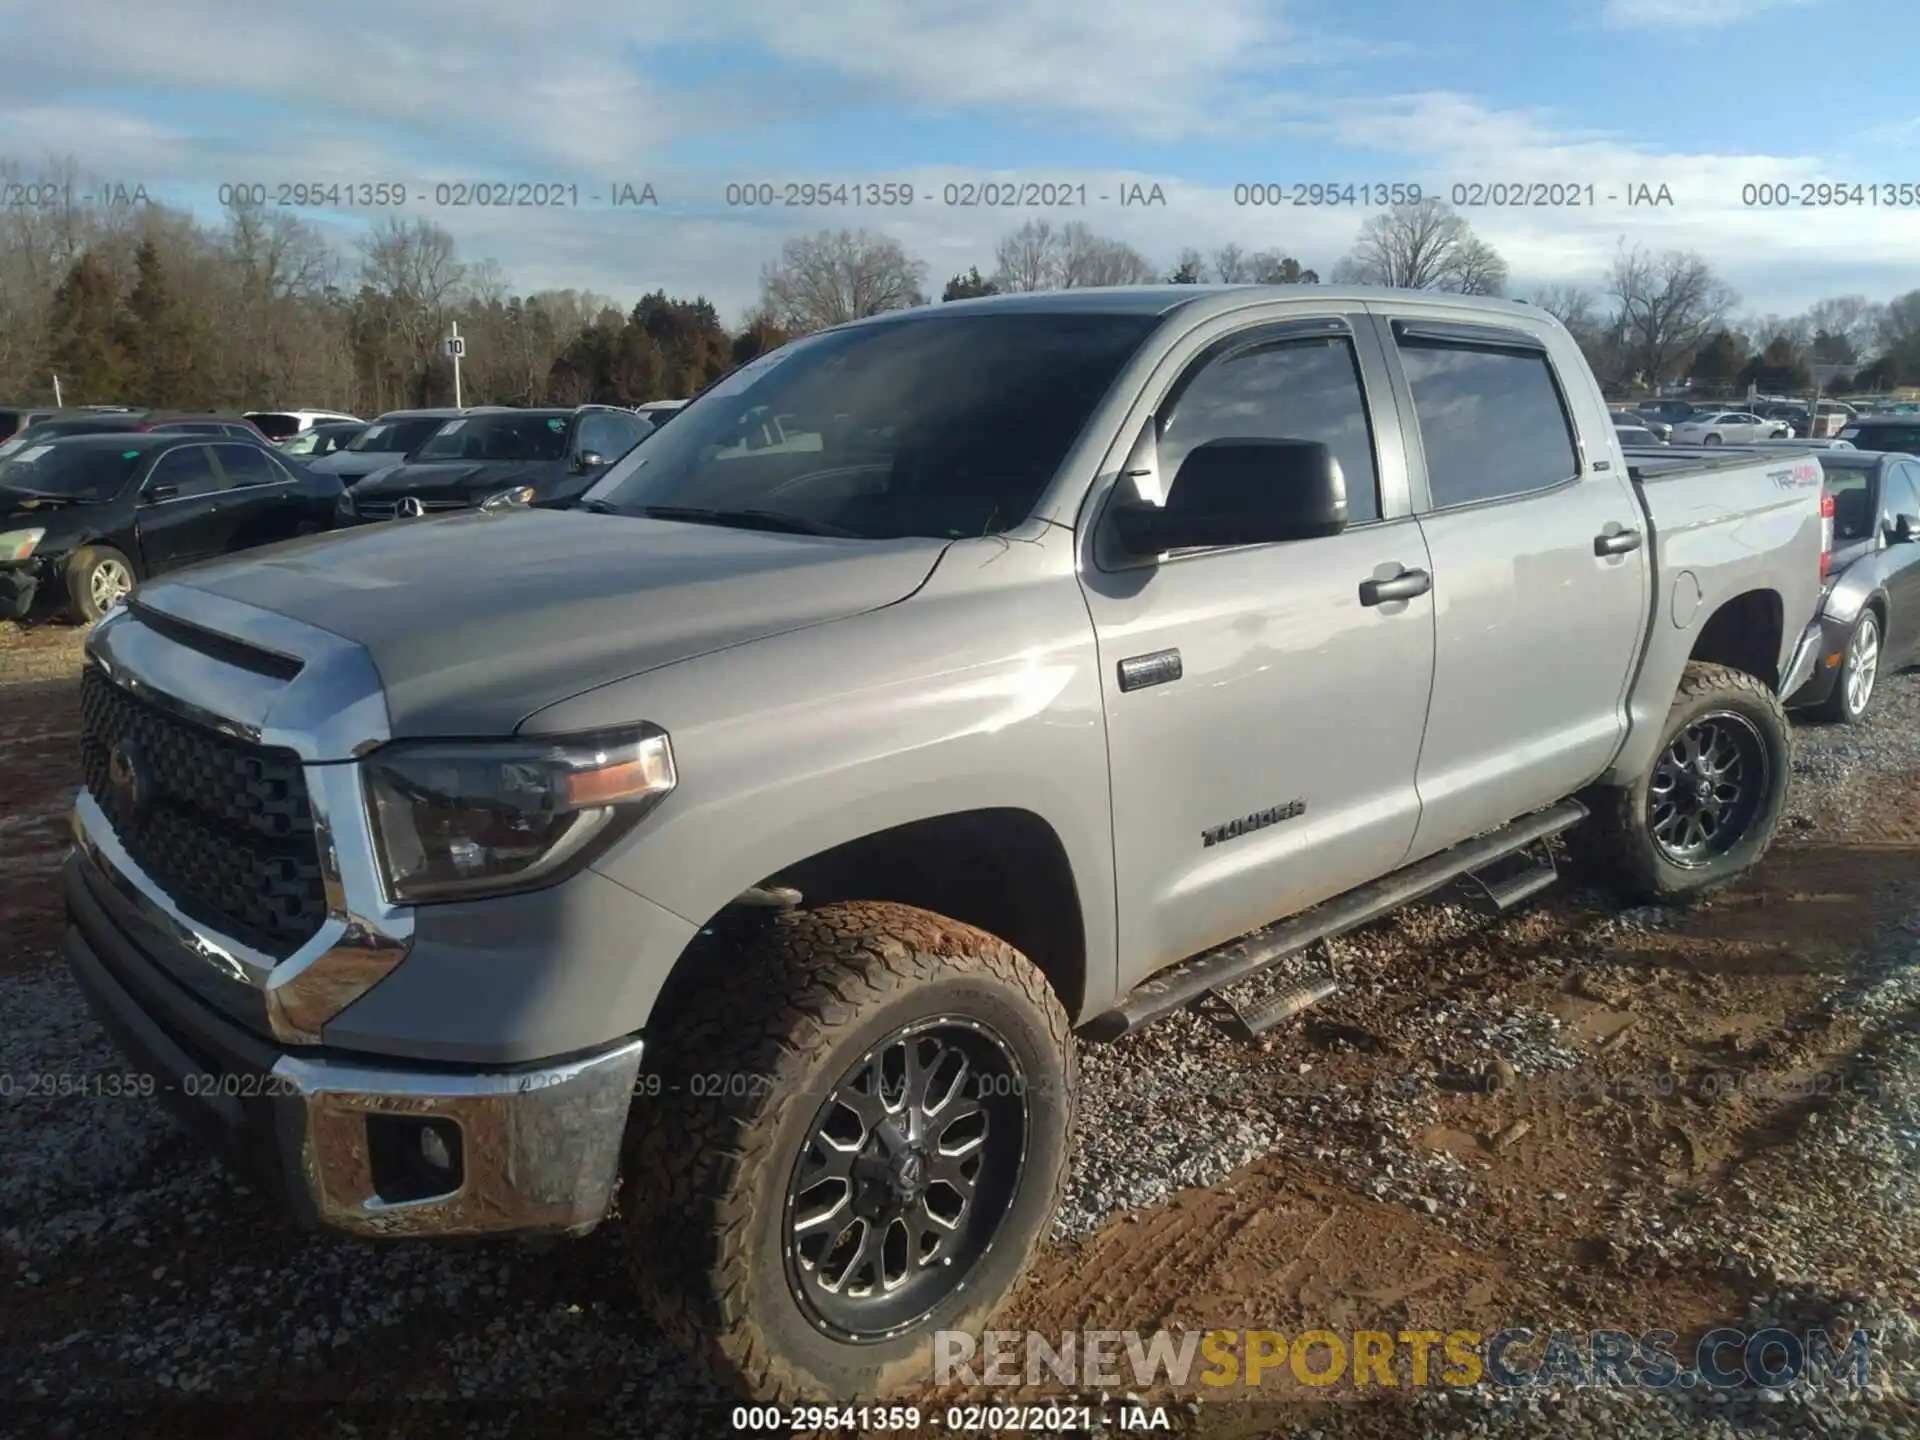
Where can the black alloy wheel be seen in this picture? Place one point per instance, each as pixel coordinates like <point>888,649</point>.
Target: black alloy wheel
<point>907,1171</point>
<point>1708,787</point>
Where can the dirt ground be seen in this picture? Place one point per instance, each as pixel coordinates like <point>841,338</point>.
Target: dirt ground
<point>1549,1177</point>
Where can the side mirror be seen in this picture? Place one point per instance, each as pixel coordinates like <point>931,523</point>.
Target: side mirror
<point>155,493</point>
<point>589,460</point>
<point>1906,529</point>
<point>1241,492</point>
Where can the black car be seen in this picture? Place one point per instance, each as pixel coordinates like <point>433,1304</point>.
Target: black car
<point>540,457</point>
<point>63,423</point>
<point>1884,432</point>
<point>1667,412</point>
<point>1870,610</point>
<point>83,519</point>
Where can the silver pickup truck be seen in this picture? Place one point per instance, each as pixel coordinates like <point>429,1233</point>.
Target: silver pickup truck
<point>737,853</point>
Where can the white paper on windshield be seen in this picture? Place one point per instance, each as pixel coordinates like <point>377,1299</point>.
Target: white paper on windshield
<point>750,374</point>
<point>28,456</point>
<point>449,427</point>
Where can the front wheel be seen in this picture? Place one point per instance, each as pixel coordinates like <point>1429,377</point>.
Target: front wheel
<point>1708,806</point>
<point>1859,669</point>
<point>98,578</point>
<point>854,1135</point>
<point>1711,440</point>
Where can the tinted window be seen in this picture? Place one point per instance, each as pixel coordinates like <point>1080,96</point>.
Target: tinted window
<point>86,472</point>
<point>402,436</point>
<point>193,427</point>
<point>189,469</point>
<point>1851,489</point>
<point>534,435</point>
<point>1490,422</point>
<point>1290,390</point>
<point>1883,437</point>
<point>1903,490</point>
<point>248,465</point>
<point>937,425</point>
<point>1631,436</point>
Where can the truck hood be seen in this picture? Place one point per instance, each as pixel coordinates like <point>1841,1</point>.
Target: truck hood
<point>475,621</point>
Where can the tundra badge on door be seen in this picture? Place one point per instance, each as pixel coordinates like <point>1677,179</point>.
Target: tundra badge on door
<point>1259,820</point>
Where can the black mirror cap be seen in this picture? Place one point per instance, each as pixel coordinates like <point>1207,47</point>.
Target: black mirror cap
<point>156,493</point>
<point>1242,492</point>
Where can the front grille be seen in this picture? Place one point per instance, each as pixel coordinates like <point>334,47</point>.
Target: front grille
<point>390,509</point>
<point>225,828</point>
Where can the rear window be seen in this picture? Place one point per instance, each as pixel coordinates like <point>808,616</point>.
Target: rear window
<point>1883,437</point>
<point>273,425</point>
<point>1491,422</point>
<point>402,436</point>
<point>1852,501</point>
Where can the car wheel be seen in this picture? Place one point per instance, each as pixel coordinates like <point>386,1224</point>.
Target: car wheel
<point>1709,803</point>
<point>1711,440</point>
<point>1859,669</point>
<point>98,578</point>
<point>307,527</point>
<point>853,1133</point>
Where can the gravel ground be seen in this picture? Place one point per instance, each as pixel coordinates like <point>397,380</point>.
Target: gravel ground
<point>148,1275</point>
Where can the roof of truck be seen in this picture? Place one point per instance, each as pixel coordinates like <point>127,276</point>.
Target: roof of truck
<point>1159,299</point>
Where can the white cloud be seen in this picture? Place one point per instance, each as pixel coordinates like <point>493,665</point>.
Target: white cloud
<point>1690,14</point>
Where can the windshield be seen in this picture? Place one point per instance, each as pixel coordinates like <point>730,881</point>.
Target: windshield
<point>946,426</point>
<point>397,436</point>
<point>533,436</point>
<point>90,472</point>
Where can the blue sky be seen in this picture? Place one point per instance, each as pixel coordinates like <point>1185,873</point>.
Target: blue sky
<point>1703,96</point>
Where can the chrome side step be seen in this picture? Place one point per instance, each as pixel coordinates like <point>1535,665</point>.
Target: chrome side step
<point>1206,974</point>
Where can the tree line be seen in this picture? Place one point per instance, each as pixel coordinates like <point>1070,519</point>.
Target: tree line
<point>149,305</point>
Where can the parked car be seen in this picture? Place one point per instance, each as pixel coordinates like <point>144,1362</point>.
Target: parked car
<point>1088,665</point>
<point>1633,419</point>
<point>533,457</point>
<point>85,518</point>
<point>14,419</point>
<point>1727,427</point>
<point>1666,411</point>
<point>1885,432</point>
<point>1870,610</point>
<point>389,440</point>
<point>659,411</point>
<point>102,420</point>
<point>322,439</point>
<point>280,426</point>
<point>1636,435</point>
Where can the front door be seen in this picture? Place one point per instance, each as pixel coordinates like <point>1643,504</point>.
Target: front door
<point>1263,722</point>
<point>179,516</point>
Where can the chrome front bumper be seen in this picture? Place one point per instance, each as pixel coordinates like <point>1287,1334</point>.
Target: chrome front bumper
<point>538,1149</point>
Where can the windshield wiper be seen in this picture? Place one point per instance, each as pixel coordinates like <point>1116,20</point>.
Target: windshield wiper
<point>744,519</point>
<point>57,498</point>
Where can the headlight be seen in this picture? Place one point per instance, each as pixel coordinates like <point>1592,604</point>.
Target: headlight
<point>458,819</point>
<point>344,505</point>
<point>513,499</point>
<point>19,544</point>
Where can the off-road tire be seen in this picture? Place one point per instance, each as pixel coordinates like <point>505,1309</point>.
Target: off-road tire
<point>81,569</point>
<point>798,999</point>
<point>1617,840</point>
<point>1836,709</point>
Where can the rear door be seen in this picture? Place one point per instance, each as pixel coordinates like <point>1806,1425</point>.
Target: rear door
<point>262,501</point>
<point>1263,722</point>
<point>179,516</point>
<point>1536,630</point>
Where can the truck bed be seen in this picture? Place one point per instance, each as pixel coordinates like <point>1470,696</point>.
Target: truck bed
<point>1668,462</point>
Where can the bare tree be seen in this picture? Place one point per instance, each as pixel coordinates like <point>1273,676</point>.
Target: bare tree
<point>1853,318</point>
<point>1574,306</point>
<point>1039,257</point>
<point>1028,258</point>
<point>834,276</point>
<point>1666,307</point>
<point>1425,246</point>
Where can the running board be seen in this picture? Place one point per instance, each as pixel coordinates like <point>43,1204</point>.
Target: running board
<point>1190,980</point>
<point>1247,1023</point>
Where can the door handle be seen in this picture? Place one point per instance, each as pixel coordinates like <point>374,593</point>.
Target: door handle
<point>1616,542</point>
<point>1404,586</point>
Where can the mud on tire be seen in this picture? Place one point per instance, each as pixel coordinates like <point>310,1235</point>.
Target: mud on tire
<point>1726,746</point>
<point>745,1063</point>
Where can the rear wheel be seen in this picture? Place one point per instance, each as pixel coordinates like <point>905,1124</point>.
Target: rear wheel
<point>98,577</point>
<point>1859,669</point>
<point>1708,805</point>
<point>853,1138</point>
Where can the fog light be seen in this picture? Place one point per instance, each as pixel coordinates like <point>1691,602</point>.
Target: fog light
<point>414,1158</point>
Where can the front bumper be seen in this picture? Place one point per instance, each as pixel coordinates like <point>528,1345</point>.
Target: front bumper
<point>535,1150</point>
<point>1822,664</point>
